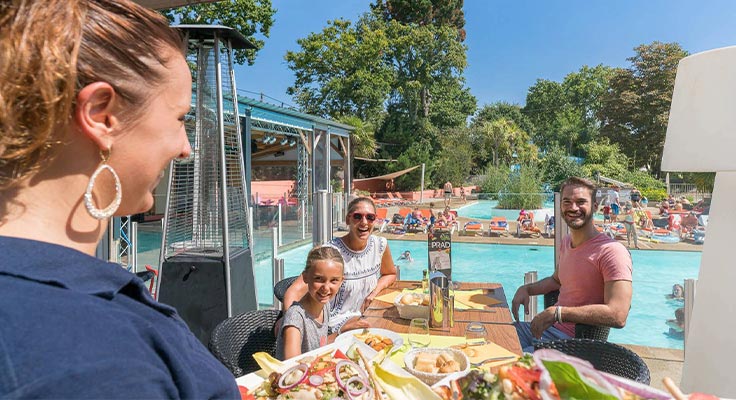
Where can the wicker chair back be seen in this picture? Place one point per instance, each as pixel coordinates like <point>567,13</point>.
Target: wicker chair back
<point>279,289</point>
<point>605,356</point>
<point>235,339</point>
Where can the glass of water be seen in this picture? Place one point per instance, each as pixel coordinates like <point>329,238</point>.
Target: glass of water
<point>419,332</point>
<point>475,334</point>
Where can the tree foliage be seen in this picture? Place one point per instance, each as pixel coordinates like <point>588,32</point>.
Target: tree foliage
<point>564,113</point>
<point>605,158</point>
<point>453,162</point>
<point>341,70</point>
<point>249,17</point>
<point>362,138</point>
<point>635,109</point>
<point>501,141</point>
<point>523,189</point>
<point>556,166</point>
<point>423,12</point>
<point>501,109</point>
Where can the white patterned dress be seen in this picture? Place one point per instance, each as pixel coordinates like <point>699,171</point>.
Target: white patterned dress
<point>362,270</point>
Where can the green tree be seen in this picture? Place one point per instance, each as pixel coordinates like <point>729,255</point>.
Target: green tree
<point>635,110</point>
<point>363,137</point>
<point>524,189</point>
<point>249,17</point>
<point>453,162</point>
<point>564,114</point>
<point>556,166</point>
<point>606,159</point>
<point>502,142</point>
<point>501,109</point>
<point>423,12</point>
<point>341,70</point>
<point>494,181</point>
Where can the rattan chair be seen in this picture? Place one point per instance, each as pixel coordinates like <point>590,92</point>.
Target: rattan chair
<point>279,289</point>
<point>235,339</point>
<point>605,356</point>
<point>582,331</point>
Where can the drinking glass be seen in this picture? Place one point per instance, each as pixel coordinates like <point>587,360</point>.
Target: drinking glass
<point>419,332</point>
<point>475,334</point>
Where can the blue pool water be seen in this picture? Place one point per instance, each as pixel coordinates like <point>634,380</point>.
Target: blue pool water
<point>654,274</point>
<point>485,209</point>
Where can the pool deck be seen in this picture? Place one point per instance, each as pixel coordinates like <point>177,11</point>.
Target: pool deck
<point>511,239</point>
<point>662,363</point>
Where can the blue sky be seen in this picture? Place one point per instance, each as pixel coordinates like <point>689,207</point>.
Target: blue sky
<point>511,44</point>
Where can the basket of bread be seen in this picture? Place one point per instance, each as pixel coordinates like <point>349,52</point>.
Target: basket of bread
<point>412,305</point>
<point>431,365</point>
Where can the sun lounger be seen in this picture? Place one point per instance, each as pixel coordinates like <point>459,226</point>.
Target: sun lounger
<point>381,219</point>
<point>498,227</point>
<point>527,227</point>
<point>393,226</point>
<point>472,228</point>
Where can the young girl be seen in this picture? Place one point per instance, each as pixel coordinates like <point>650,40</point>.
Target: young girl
<point>304,326</point>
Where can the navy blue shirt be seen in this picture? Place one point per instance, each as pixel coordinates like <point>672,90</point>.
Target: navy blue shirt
<point>74,326</point>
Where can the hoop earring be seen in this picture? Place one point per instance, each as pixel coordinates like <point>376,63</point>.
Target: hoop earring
<point>108,211</point>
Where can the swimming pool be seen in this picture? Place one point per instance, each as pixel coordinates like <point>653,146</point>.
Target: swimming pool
<point>485,209</point>
<point>654,274</point>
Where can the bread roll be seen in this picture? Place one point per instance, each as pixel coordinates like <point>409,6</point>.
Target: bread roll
<point>449,367</point>
<point>407,299</point>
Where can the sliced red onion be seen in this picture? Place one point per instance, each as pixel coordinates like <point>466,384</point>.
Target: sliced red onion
<point>343,363</point>
<point>299,367</point>
<point>584,368</point>
<point>316,380</point>
<point>357,392</point>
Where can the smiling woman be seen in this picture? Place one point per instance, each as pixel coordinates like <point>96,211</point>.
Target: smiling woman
<point>369,268</point>
<point>89,117</point>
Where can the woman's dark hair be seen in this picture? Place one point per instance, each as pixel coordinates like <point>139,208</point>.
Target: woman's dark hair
<point>575,181</point>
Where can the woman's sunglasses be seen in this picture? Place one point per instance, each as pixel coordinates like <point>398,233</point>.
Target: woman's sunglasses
<point>359,216</point>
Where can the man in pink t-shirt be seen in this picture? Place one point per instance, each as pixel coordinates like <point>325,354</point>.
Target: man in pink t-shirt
<point>594,275</point>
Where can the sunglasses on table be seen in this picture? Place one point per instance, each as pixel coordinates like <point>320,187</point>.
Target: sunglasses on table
<point>359,216</point>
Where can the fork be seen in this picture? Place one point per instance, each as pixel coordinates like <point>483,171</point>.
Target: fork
<point>478,364</point>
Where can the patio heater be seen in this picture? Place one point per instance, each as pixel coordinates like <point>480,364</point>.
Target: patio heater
<point>206,259</point>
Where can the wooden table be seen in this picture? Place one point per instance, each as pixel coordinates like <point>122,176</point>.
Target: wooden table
<point>497,319</point>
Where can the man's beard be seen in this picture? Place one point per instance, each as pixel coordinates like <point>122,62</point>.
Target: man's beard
<point>578,223</point>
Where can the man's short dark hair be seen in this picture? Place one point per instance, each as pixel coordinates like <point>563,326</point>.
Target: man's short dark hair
<point>576,181</point>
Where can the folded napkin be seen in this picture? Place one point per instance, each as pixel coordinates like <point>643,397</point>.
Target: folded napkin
<point>486,351</point>
<point>478,353</point>
<point>388,297</point>
<point>391,296</point>
<point>473,300</point>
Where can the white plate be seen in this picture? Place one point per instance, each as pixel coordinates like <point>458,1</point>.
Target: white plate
<point>254,379</point>
<point>349,337</point>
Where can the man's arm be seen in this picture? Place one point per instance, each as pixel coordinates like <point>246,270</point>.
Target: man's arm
<point>524,293</point>
<point>613,313</point>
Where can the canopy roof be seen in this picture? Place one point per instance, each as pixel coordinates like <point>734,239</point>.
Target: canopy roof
<point>392,175</point>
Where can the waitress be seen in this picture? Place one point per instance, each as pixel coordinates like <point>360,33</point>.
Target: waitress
<point>369,268</point>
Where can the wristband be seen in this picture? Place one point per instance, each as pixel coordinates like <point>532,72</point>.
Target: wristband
<point>558,314</point>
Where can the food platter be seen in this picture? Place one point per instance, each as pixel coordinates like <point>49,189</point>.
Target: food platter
<point>360,335</point>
